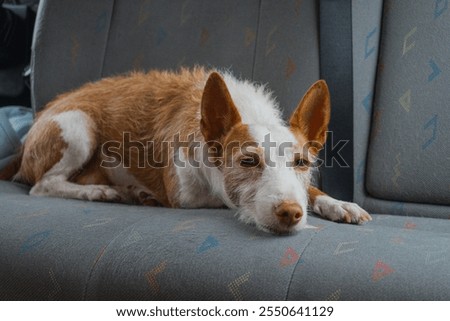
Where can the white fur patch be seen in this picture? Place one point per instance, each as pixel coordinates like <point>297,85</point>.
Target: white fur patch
<point>279,182</point>
<point>57,185</point>
<point>200,186</point>
<point>336,210</point>
<point>75,127</point>
<point>254,102</point>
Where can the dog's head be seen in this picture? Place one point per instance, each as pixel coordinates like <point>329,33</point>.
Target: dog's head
<point>266,168</point>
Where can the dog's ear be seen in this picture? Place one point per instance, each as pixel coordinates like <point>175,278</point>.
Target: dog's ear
<point>219,114</point>
<point>312,115</point>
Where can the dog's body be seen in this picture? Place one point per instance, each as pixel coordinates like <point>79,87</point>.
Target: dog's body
<point>189,139</point>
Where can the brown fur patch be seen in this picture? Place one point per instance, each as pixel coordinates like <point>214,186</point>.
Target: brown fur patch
<point>91,174</point>
<point>219,114</point>
<point>304,150</point>
<point>313,193</point>
<point>11,169</point>
<point>312,115</point>
<point>44,147</point>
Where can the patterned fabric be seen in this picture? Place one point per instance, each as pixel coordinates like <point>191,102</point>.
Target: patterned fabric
<point>252,38</point>
<point>399,94</point>
<point>287,50</point>
<point>68,46</point>
<point>66,249</point>
<point>410,134</point>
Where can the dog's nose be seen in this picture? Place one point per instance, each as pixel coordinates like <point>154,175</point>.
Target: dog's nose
<point>289,213</point>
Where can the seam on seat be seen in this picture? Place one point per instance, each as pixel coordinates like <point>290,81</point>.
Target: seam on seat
<point>372,110</point>
<point>298,261</point>
<point>107,38</point>
<point>35,51</point>
<point>258,26</point>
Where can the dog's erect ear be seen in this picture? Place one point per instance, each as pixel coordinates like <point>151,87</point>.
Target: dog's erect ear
<point>312,115</point>
<point>219,114</point>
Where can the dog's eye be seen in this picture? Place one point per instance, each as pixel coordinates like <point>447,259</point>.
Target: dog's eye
<point>249,161</point>
<point>302,163</point>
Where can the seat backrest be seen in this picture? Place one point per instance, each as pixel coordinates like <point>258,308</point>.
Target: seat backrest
<point>266,41</point>
<point>401,106</point>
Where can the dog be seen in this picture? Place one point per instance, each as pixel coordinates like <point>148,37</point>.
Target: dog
<point>194,138</point>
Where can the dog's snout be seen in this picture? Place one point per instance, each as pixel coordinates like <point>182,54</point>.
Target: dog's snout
<point>289,213</point>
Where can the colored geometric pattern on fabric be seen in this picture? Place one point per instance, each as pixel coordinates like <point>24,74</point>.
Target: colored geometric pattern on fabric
<point>397,52</point>
<point>409,154</point>
<point>254,39</point>
<point>68,249</point>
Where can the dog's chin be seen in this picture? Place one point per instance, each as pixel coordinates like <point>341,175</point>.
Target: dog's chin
<point>247,216</point>
<point>278,229</point>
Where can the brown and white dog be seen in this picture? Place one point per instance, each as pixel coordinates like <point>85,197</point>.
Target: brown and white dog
<point>191,139</point>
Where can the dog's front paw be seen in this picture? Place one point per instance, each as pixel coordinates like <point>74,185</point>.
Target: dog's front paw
<point>340,211</point>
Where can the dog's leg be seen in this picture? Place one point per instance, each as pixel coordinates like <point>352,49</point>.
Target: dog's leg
<point>73,134</point>
<point>59,186</point>
<point>336,210</point>
<point>94,175</point>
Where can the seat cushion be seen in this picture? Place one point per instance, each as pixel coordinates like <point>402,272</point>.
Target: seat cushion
<point>392,174</point>
<point>69,249</point>
<point>408,158</point>
<point>391,258</point>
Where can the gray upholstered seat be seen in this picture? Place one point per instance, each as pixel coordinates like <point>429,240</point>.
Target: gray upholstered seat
<point>68,249</point>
